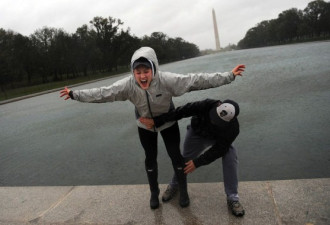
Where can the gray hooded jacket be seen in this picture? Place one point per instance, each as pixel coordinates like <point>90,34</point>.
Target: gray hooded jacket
<point>157,99</point>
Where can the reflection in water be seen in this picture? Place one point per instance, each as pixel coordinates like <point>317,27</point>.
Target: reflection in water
<point>158,213</point>
<point>233,220</point>
<point>188,218</point>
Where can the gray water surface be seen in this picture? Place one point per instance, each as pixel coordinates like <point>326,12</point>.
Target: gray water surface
<point>284,98</point>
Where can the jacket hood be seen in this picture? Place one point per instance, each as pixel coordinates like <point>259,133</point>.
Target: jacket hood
<point>148,53</point>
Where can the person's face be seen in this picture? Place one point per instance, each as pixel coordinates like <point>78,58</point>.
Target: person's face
<point>143,75</point>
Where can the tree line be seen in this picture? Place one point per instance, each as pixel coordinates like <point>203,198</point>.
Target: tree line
<point>51,54</point>
<point>293,25</point>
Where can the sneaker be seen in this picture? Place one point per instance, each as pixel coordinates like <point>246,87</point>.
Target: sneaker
<point>169,193</point>
<point>236,208</point>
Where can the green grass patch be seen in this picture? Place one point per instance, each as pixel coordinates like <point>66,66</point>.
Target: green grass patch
<point>19,92</point>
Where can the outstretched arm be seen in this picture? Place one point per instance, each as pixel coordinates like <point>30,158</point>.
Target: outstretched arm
<point>238,70</point>
<point>65,93</point>
<point>118,91</point>
<point>179,84</point>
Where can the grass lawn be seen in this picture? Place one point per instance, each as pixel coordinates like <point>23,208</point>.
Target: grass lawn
<point>19,92</point>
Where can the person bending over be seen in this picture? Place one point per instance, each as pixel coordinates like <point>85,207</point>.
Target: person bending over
<point>214,127</point>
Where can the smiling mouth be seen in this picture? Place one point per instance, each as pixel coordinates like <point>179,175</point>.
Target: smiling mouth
<point>144,82</point>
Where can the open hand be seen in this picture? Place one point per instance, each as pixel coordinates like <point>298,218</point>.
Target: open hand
<point>237,71</point>
<point>65,92</point>
<point>190,167</point>
<point>149,123</point>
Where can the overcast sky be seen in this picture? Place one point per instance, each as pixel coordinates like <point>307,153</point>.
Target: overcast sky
<point>188,19</point>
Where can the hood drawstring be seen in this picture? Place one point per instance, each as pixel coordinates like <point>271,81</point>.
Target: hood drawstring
<point>149,95</point>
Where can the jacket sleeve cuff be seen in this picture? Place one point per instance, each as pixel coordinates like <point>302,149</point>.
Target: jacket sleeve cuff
<point>197,163</point>
<point>71,94</point>
<point>158,121</point>
<point>232,76</point>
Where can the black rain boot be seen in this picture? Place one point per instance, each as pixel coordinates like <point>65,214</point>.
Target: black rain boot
<point>182,180</point>
<point>154,189</point>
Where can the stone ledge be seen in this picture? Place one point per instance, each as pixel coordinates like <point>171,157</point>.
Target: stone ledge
<point>266,202</point>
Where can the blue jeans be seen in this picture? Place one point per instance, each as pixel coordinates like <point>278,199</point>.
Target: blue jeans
<point>194,145</point>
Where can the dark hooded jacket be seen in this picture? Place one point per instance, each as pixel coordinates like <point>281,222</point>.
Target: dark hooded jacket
<point>202,125</point>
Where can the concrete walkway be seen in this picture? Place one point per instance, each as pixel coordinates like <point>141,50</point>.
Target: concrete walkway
<point>303,202</point>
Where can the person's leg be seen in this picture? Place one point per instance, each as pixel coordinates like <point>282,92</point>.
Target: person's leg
<point>149,142</point>
<point>230,178</point>
<point>193,146</point>
<point>171,137</point>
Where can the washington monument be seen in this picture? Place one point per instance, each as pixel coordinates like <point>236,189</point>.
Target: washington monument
<point>217,41</point>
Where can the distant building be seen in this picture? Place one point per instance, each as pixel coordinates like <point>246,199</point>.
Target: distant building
<point>216,33</point>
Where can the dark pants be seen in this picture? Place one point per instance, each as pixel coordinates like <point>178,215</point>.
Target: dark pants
<point>171,137</point>
<point>194,145</point>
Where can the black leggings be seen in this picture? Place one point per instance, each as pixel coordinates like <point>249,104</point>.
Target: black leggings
<point>171,137</point>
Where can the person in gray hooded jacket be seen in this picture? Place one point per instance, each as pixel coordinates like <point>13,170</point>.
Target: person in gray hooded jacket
<point>151,91</point>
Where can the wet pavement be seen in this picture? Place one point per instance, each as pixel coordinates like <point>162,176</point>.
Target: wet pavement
<point>284,125</point>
